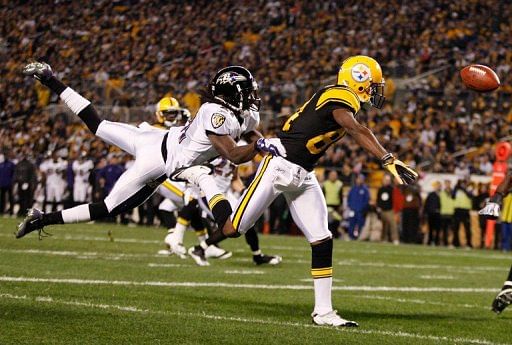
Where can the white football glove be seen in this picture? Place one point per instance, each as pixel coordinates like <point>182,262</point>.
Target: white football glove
<point>272,146</point>
<point>491,210</point>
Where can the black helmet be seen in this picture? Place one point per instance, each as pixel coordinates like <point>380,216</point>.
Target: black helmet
<point>235,88</point>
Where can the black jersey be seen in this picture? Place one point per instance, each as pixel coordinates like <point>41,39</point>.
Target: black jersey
<point>312,129</point>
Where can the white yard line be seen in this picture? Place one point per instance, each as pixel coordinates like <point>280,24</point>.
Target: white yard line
<point>131,309</point>
<point>75,281</point>
<point>421,301</point>
<point>348,263</point>
<point>246,272</point>
<point>437,277</point>
<point>154,264</point>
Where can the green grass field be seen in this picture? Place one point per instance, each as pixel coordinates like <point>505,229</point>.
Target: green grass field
<point>78,287</point>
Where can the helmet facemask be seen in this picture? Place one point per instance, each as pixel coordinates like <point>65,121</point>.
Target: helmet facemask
<point>376,92</point>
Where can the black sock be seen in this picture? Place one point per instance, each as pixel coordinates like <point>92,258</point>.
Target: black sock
<point>168,219</point>
<point>216,237</point>
<point>251,237</point>
<point>53,218</point>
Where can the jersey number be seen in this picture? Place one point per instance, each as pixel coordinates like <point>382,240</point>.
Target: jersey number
<point>318,144</point>
<point>288,123</point>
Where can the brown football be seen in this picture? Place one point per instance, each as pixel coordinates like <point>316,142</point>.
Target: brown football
<point>480,78</point>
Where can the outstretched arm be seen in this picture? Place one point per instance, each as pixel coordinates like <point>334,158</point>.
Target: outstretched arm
<point>78,104</point>
<point>367,140</point>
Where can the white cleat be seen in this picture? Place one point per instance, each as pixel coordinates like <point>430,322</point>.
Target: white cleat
<point>175,247</point>
<point>191,174</point>
<point>215,252</point>
<point>197,253</point>
<point>332,319</point>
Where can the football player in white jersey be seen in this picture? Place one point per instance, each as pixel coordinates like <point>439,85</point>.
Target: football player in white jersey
<point>53,170</point>
<point>230,112</point>
<point>82,168</point>
<point>328,116</point>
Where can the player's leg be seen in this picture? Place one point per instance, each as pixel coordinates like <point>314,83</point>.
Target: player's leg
<point>250,207</point>
<point>251,237</point>
<point>119,134</point>
<point>133,187</point>
<point>504,297</point>
<point>309,211</point>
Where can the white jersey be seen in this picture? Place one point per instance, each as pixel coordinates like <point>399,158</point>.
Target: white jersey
<point>54,171</point>
<point>223,170</point>
<point>189,145</point>
<point>82,170</point>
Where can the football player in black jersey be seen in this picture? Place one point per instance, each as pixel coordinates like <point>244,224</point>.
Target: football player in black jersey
<point>320,122</point>
<point>492,211</point>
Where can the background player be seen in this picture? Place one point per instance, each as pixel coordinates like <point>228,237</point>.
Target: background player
<point>492,211</point>
<point>306,135</point>
<point>82,168</point>
<point>53,170</point>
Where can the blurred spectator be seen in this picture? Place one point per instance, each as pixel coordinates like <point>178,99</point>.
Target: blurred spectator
<point>463,203</point>
<point>25,176</point>
<point>333,192</point>
<point>432,210</point>
<point>478,203</point>
<point>358,199</point>
<point>387,214</point>
<point>372,229</point>
<point>53,170</point>
<point>447,210</point>
<point>411,214</point>
<point>506,223</point>
<point>6,183</point>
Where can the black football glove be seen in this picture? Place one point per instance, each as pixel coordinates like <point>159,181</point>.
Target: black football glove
<point>39,70</point>
<point>403,173</point>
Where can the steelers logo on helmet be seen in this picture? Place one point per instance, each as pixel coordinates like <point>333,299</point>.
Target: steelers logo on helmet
<point>361,72</point>
<point>218,120</point>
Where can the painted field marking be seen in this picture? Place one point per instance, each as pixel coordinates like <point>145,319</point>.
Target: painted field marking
<point>132,309</point>
<point>249,272</point>
<point>75,281</point>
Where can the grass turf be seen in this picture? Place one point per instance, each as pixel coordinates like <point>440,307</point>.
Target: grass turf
<point>78,287</point>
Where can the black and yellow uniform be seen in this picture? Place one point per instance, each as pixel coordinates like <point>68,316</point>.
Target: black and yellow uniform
<point>312,129</point>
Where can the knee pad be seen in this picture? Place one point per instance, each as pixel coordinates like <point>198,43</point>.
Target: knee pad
<point>321,259</point>
<point>221,212</point>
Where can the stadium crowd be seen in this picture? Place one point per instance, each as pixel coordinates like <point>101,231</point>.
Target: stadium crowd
<point>131,53</point>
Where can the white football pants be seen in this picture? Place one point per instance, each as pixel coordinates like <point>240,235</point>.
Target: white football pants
<point>301,189</point>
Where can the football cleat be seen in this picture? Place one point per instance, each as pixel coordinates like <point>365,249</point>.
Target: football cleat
<point>216,252</point>
<point>267,259</point>
<point>38,70</point>
<point>332,319</point>
<point>191,174</point>
<point>197,253</point>
<point>32,222</point>
<point>503,299</point>
<point>175,247</point>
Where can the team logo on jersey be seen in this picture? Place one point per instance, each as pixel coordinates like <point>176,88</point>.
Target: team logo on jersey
<point>361,73</point>
<point>218,120</point>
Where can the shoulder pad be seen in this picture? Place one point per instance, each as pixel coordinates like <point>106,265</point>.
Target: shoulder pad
<point>339,94</point>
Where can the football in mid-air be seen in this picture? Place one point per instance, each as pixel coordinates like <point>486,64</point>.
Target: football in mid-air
<point>480,78</point>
